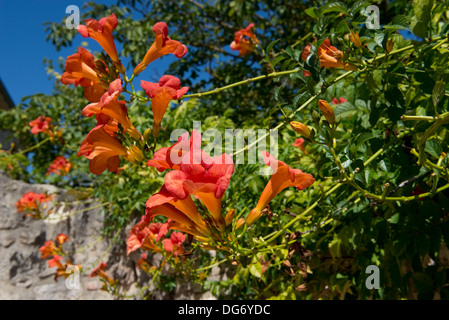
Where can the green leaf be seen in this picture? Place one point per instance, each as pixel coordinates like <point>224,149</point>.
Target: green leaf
<point>421,18</point>
<point>358,6</point>
<point>271,45</point>
<point>378,38</point>
<point>277,60</point>
<point>334,7</point>
<point>394,219</point>
<point>427,83</point>
<point>438,92</point>
<point>399,22</point>
<point>384,164</point>
<point>366,136</point>
<point>311,12</point>
<point>345,109</point>
<point>300,98</point>
<point>433,148</point>
<point>256,269</point>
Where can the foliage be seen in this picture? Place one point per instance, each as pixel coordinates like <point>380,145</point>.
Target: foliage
<point>381,171</point>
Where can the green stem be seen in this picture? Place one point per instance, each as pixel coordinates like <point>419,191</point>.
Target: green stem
<point>216,90</point>
<point>32,147</point>
<point>428,162</point>
<point>82,210</point>
<point>443,119</point>
<point>417,118</point>
<point>212,265</point>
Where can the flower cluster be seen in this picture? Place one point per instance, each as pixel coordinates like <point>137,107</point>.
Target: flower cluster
<point>30,204</point>
<point>60,166</point>
<point>102,82</point>
<point>45,125</point>
<point>245,40</point>
<point>329,56</point>
<point>191,197</point>
<point>54,250</point>
<point>150,236</point>
<point>107,280</point>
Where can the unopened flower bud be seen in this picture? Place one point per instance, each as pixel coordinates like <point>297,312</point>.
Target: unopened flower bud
<point>300,128</point>
<point>134,155</point>
<point>147,134</point>
<point>389,45</point>
<point>229,217</point>
<point>239,224</point>
<point>327,111</point>
<point>132,131</point>
<point>355,39</point>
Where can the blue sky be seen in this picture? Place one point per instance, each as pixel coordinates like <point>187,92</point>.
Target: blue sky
<point>23,45</point>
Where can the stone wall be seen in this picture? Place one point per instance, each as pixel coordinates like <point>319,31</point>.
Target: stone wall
<point>24,275</point>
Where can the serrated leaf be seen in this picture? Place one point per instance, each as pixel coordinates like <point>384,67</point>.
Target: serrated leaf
<point>421,18</point>
<point>357,6</point>
<point>399,22</point>
<point>433,148</point>
<point>334,7</point>
<point>345,108</point>
<point>379,38</point>
<point>298,98</point>
<point>438,92</point>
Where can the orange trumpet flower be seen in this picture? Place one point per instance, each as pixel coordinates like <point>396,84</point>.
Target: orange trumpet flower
<point>174,244</point>
<point>161,46</point>
<point>170,157</point>
<point>102,149</point>
<point>327,111</point>
<point>80,69</point>
<point>283,177</point>
<point>301,128</point>
<point>113,109</point>
<point>101,31</point>
<point>300,144</point>
<point>168,88</point>
<point>60,166</point>
<point>48,249</point>
<point>61,238</point>
<point>203,176</point>
<point>244,40</point>
<point>41,124</point>
<point>100,272</point>
<point>145,236</point>
<point>339,100</point>
<point>30,202</point>
<point>330,57</point>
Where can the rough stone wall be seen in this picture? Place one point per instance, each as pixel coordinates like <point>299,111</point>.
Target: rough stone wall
<point>24,275</point>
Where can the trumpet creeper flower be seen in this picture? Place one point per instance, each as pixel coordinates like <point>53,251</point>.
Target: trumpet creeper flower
<point>168,88</point>
<point>101,31</point>
<point>161,46</point>
<point>283,177</point>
